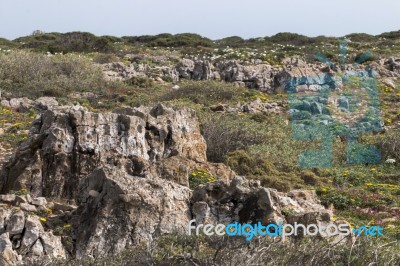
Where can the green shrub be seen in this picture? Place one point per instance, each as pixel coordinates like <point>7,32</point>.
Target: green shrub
<point>32,75</point>
<point>310,178</point>
<point>245,164</point>
<point>141,82</point>
<point>207,92</point>
<point>389,145</point>
<point>227,133</point>
<point>67,42</point>
<point>105,58</point>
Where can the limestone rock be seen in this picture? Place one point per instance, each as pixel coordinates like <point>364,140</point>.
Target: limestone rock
<point>33,229</point>
<point>16,223</point>
<point>246,201</point>
<point>39,201</point>
<point>68,143</point>
<point>28,207</point>
<point>10,198</point>
<point>8,257</point>
<point>52,245</point>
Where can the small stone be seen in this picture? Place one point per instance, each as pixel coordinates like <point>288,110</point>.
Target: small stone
<point>27,207</point>
<point>10,198</point>
<point>21,199</point>
<point>63,207</point>
<point>93,193</point>
<point>39,201</point>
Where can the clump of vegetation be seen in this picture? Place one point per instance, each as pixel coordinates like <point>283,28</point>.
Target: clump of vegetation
<point>200,177</point>
<point>207,92</point>
<point>244,164</point>
<point>175,249</point>
<point>389,145</point>
<point>105,58</point>
<point>67,42</point>
<point>27,74</point>
<point>141,82</point>
<point>227,133</point>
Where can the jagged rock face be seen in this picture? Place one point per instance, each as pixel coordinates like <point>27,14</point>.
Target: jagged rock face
<point>254,74</point>
<point>126,211</point>
<point>246,201</point>
<point>68,143</point>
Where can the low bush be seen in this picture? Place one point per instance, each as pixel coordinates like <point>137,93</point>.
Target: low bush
<point>207,92</point>
<point>141,82</point>
<point>227,133</point>
<point>32,75</point>
<point>244,164</point>
<point>105,58</point>
<point>175,249</point>
<point>389,145</point>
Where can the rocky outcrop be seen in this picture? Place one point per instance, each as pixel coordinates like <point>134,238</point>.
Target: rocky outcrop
<point>93,184</point>
<point>246,201</point>
<point>254,73</point>
<point>26,238</point>
<point>68,143</point>
<point>25,104</point>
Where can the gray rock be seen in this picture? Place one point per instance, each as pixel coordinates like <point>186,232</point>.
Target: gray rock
<point>8,257</point>
<point>78,139</point>
<point>27,207</point>
<point>10,198</point>
<point>33,229</point>
<point>52,245</point>
<point>37,248</point>
<point>4,215</point>
<point>46,103</point>
<point>39,201</point>
<point>16,223</point>
<point>63,207</point>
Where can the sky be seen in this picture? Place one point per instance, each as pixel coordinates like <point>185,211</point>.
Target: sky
<point>214,19</point>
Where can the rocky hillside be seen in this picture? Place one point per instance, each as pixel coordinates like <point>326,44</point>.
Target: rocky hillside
<point>92,184</point>
<point>110,146</point>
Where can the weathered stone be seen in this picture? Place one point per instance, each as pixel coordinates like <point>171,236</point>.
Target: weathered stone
<point>21,199</point>
<point>27,207</point>
<point>39,201</point>
<point>8,257</point>
<point>63,207</point>
<point>37,248</point>
<point>16,223</point>
<point>163,206</point>
<point>10,198</point>
<point>4,214</point>
<point>46,103</point>
<point>247,201</point>
<point>71,138</point>
<point>52,245</point>
<point>33,229</point>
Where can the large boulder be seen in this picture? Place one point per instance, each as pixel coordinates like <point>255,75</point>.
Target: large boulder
<point>67,143</point>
